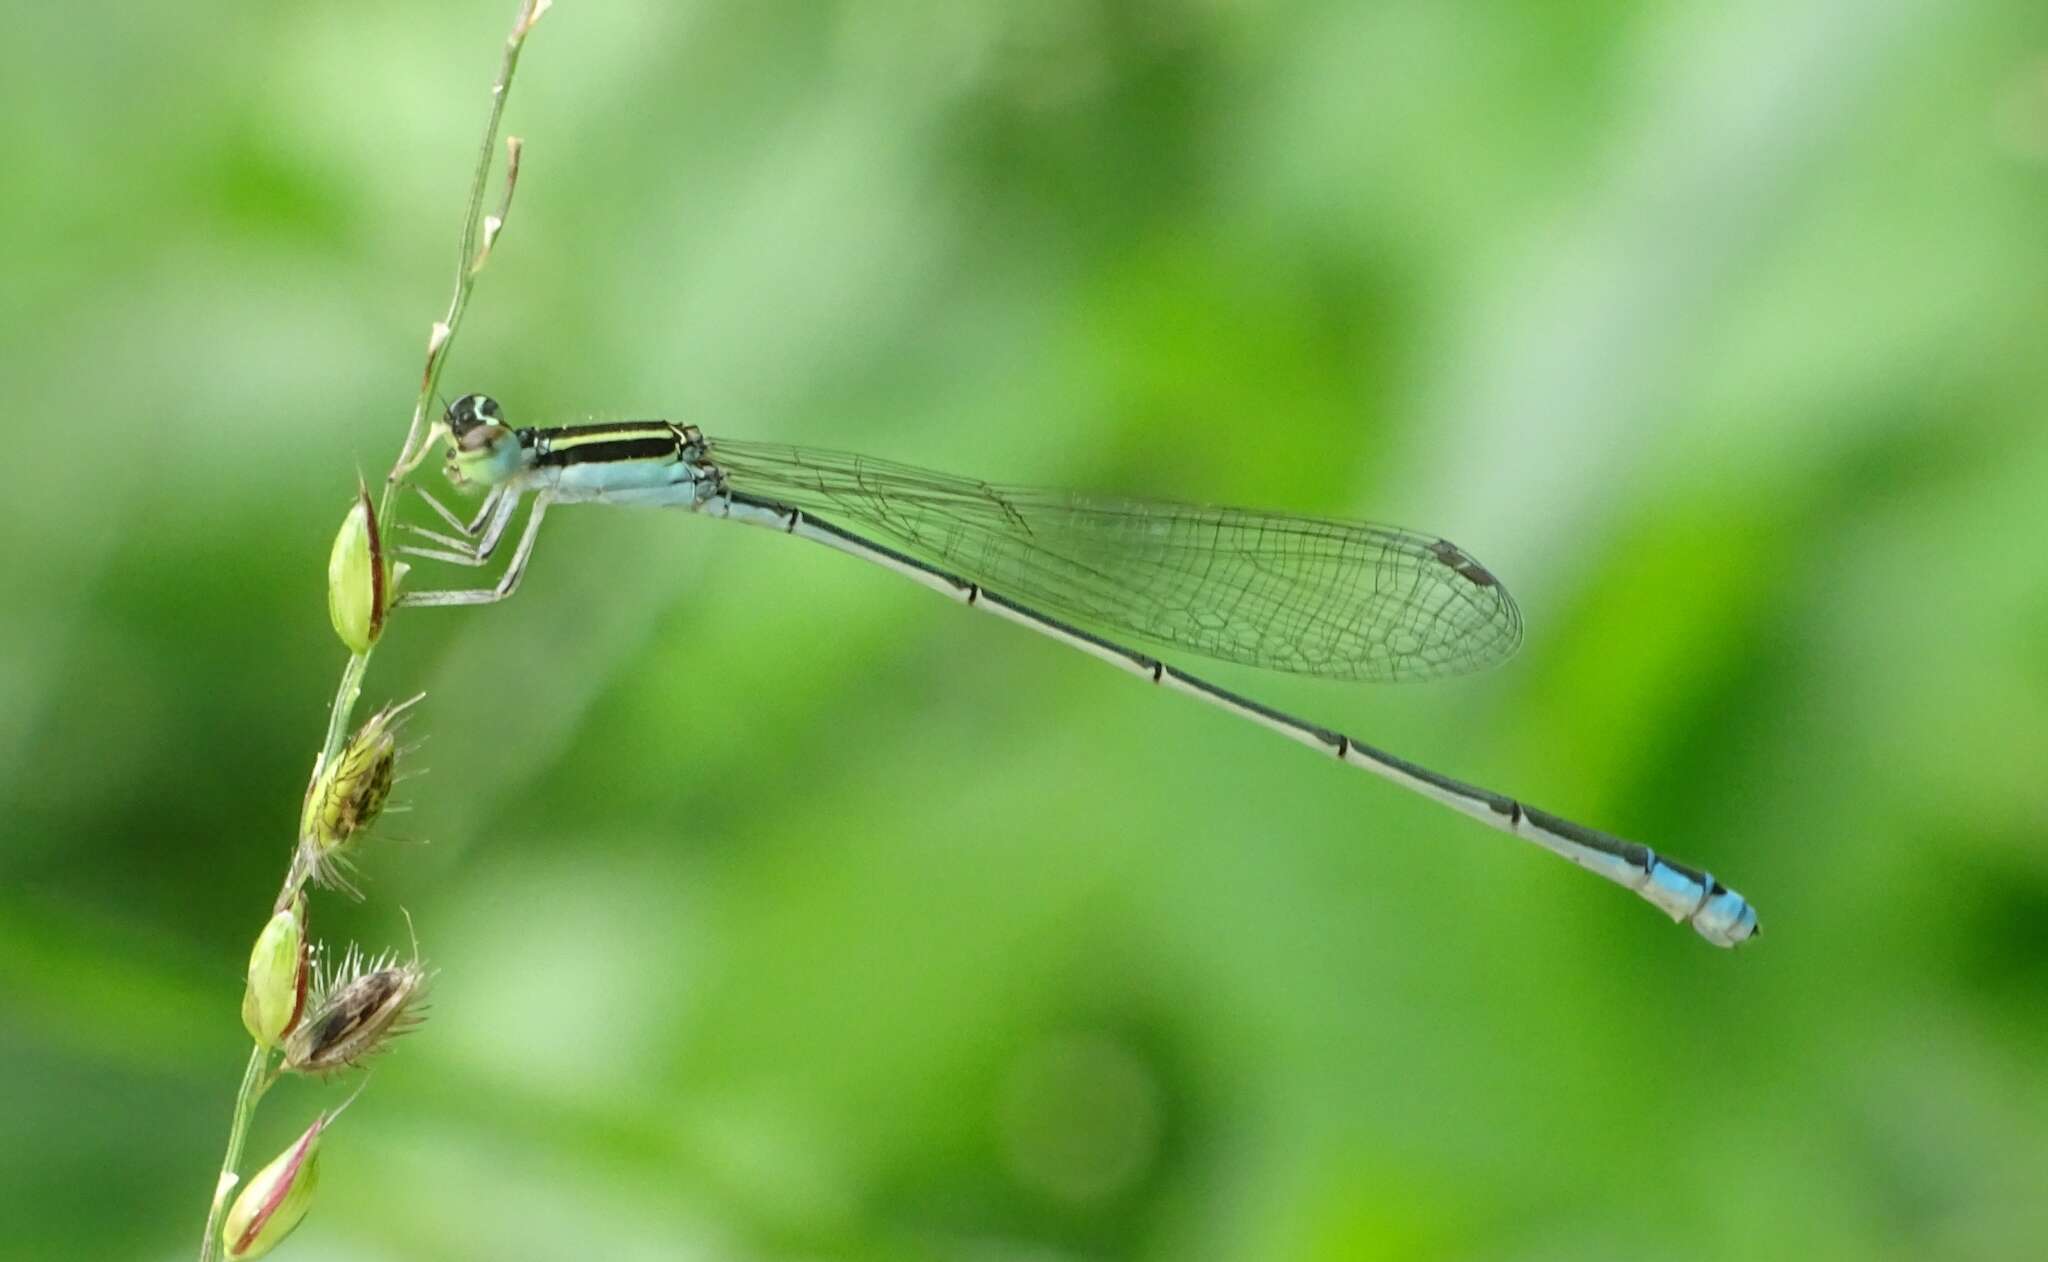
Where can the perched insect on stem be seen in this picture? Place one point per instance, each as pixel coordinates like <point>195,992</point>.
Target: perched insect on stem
<point>1314,596</point>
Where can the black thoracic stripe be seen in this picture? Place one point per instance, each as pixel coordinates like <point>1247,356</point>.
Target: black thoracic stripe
<point>603,429</point>
<point>588,450</point>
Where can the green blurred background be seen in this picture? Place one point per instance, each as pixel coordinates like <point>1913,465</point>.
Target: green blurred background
<point>783,911</point>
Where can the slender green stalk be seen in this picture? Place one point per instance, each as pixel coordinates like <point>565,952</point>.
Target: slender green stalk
<point>256,1079</point>
<point>344,706</point>
<point>479,233</point>
<point>472,252</point>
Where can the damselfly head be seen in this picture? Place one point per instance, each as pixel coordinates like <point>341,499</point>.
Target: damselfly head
<point>484,450</point>
<point>472,410</point>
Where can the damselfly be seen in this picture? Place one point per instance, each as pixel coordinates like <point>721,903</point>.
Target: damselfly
<point>1315,596</point>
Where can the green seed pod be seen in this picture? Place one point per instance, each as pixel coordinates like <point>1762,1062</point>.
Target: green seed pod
<point>348,795</point>
<point>357,579</point>
<point>359,1011</point>
<point>276,992</point>
<point>276,1198</point>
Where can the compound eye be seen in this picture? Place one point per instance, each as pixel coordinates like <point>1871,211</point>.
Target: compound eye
<point>469,412</point>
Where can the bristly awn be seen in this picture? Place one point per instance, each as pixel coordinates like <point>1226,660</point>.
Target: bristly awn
<point>1314,596</point>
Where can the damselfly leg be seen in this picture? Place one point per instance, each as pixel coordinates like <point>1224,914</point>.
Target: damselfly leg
<point>467,529</point>
<point>515,571</point>
<point>479,536</point>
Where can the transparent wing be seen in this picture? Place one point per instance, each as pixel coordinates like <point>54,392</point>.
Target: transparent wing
<point>1311,595</point>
